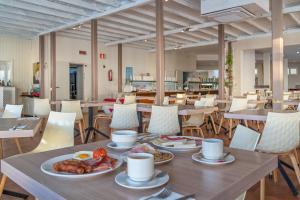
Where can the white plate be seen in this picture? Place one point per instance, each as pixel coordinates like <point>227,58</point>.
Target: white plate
<point>125,154</point>
<point>112,146</point>
<point>47,167</point>
<point>199,158</point>
<point>123,180</point>
<point>180,149</point>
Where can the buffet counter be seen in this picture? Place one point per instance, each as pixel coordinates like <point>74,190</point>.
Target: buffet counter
<point>172,93</point>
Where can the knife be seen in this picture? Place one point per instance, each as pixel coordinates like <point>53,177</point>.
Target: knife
<point>186,197</point>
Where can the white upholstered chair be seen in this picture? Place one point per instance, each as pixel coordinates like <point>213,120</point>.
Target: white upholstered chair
<point>281,136</point>
<point>129,99</point>
<point>124,117</point>
<point>41,108</point>
<point>74,107</point>
<point>286,96</point>
<point>252,97</point>
<point>164,120</point>
<point>237,104</point>
<point>59,133</point>
<point>246,139</point>
<point>298,108</point>
<point>13,111</point>
<point>166,101</point>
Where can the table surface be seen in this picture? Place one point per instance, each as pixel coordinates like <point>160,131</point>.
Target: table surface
<point>32,127</point>
<point>186,176</point>
<point>253,114</point>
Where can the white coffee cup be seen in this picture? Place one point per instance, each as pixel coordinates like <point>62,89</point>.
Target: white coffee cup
<point>124,138</point>
<point>140,166</point>
<point>212,148</point>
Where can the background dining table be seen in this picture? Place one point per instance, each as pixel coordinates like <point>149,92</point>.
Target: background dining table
<point>186,176</point>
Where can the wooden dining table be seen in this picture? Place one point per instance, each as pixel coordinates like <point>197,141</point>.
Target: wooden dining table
<point>186,176</point>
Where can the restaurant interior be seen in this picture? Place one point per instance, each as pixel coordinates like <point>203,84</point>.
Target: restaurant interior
<point>149,99</point>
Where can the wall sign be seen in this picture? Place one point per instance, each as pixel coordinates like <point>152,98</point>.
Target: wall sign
<point>82,52</point>
<point>101,56</point>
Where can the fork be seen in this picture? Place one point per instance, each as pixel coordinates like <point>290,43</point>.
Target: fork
<point>162,195</point>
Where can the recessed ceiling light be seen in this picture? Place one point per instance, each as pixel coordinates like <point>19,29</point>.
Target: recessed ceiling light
<point>145,40</point>
<point>297,52</point>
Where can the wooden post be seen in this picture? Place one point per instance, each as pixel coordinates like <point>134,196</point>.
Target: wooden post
<point>53,65</point>
<point>42,65</point>
<point>94,59</point>
<point>120,72</point>
<point>160,53</point>
<point>277,53</point>
<point>221,58</point>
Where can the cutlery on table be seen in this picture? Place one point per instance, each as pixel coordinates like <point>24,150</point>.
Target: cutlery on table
<point>16,126</point>
<point>186,197</point>
<point>163,194</point>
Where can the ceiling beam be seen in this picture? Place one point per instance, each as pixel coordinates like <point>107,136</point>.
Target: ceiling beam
<point>295,18</point>
<point>99,15</point>
<point>243,29</point>
<point>258,26</point>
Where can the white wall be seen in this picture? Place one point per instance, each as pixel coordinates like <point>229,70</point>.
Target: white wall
<point>23,53</point>
<point>247,71</point>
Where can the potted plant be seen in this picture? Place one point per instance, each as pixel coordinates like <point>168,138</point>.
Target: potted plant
<point>228,69</point>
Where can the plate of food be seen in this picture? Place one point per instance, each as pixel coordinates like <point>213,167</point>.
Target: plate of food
<point>178,143</point>
<point>160,156</point>
<point>82,164</point>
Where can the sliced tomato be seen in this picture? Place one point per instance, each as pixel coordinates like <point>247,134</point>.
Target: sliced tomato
<point>99,153</point>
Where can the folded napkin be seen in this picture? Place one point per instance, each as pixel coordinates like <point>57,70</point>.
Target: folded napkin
<point>174,195</point>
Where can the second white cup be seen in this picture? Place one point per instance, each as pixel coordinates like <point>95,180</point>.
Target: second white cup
<point>140,166</point>
<point>212,148</point>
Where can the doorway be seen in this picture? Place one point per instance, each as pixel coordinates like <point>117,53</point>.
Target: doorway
<point>76,81</point>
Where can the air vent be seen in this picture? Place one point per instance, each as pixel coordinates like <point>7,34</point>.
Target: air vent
<point>230,15</point>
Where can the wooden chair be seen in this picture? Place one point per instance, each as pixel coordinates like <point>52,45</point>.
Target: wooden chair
<point>13,111</point>
<point>59,133</point>
<point>237,104</point>
<point>281,137</point>
<point>74,107</point>
<point>41,109</point>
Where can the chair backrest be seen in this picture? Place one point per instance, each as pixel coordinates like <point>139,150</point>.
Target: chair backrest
<point>124,116</point>
<point>281,133</point>
<point>180,99</point>
<point>164,120</point>
<point>205,102</point>
<point>12,111</point>
<point>129,99</point>
<point>251,97</point>
<point>41,107</point>
<point>298,108</point>
<point>166,101</point>
<point>72,107</point>
<point>286,97</point>
<point>59,132</point>
<point>238,104</point>
<point>244,138</point>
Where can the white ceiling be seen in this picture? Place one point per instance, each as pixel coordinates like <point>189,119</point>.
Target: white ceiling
<point>131,22</point>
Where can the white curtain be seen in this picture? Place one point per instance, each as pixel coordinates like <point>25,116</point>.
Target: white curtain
<point>6,71</point>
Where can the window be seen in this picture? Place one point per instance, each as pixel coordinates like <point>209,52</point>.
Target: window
<point>292,71</point>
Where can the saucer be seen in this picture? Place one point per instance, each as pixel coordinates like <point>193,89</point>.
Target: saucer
<point>113,145</point>
<point>198,157</point>
<point>123,180</point>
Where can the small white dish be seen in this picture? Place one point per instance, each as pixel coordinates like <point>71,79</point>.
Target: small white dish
<point>183,148</point>
<point>114,146</point>
<point>123,180</point>
<point>83,155</point>
<point>198,157</point>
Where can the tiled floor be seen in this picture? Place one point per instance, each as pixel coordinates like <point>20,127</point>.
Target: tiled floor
<point>279,191</point>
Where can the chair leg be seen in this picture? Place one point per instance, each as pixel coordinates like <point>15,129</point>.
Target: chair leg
<point>296,156</point>
<point>246,123</point>
<point>230,128</point>
<point>2,184</point>
<point>262,188</point>
<point>258,126</point>
<point>295,165</point>
<point>221,123</point>
<point>81,131</point>
<point>275,175</point>
<point>200,132</point>
<point>1,148</point>
<point>18,145</point>
<point>213,123</point>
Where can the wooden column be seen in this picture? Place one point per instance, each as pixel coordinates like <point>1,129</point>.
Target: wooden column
<point>160,53</point>
<point>53,65</point>
<point>94,59</point>
<point>277,53</point>
<point>42,65</point>
<point>120,72</point>
<point>221,58</point>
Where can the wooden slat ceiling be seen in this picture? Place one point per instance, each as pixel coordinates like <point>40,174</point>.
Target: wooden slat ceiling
<point>131,22</point>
